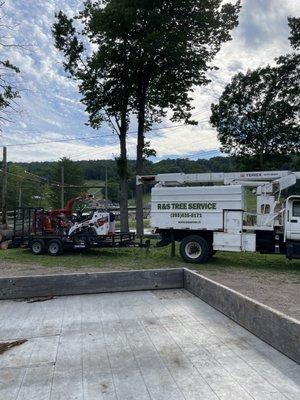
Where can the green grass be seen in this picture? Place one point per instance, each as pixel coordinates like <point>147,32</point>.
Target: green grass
<point>99,192</point>
<point>146,200</point>
<point>136,258</point>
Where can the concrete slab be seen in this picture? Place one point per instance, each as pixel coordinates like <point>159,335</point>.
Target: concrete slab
<point>162,344</point>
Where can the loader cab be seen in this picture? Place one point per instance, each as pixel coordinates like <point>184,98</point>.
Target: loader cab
<point>292,219</point>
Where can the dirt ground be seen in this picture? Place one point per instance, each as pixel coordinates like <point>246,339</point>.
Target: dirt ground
<point>277,289</point>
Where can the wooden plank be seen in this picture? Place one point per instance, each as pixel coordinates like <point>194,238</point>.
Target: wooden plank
<point>275,328</point>
<point>60,285</point>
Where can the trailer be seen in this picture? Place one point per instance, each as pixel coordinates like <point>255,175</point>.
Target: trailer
<point>206,219</point>
<point>35,229</point>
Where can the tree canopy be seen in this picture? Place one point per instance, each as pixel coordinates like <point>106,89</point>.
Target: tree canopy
<point>73,175</point>
<point>141,57</point>
<point>23,189</point>
<point>38,193</point>
<point>158,51</point>
<point>258,114</point>
<point>101,66</point>
<point>294,24</point>
<point>9,91</point>
<point>175,42</point>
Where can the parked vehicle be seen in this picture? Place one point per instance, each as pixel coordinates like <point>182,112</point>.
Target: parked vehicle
<point>205,219</point>
<point>58,229</point>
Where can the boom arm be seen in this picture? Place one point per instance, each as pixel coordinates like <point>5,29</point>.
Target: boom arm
<point>265,181</point>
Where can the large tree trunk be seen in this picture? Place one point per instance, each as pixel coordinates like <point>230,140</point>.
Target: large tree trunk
<point>261,160</point>
<point>140,167</point>
<point>139,197</point>
<point>123,174</point>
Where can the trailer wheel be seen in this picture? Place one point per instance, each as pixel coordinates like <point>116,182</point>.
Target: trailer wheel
<point>37,247</point>
<point>195,249</point>
<point>55,247</point>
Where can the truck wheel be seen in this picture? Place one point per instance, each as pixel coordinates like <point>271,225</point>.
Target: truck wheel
<point>37,247</point>
<point>55,247</point>
<point>195,249</point>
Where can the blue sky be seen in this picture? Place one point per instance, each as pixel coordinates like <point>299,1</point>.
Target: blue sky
<point>50,104</point>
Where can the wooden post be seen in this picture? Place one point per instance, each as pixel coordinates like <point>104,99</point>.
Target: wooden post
<point>20,197</point>
<point>62,187</point>
<point>4,187</point>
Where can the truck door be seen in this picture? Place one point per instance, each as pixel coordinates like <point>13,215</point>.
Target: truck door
<point>293,220</point>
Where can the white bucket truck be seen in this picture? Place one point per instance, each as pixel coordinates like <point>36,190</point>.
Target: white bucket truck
<point>205,219</point>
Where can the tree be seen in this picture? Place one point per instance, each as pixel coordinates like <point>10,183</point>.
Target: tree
<point>73,175</point>
<point>257,116</point>
<point>24,189</point>
<point>101,65</point>
<point>149,55</point>
<point>173,43</point>
<point>9,92</point>
<point>294,24</point>
<point>113,191</point>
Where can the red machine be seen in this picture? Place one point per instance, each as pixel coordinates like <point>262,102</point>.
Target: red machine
<point>58,219</point>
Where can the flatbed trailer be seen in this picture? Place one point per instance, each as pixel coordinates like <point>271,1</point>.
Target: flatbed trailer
<point>29,232</point>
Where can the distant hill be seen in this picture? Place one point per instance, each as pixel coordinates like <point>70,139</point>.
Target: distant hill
<point>95,169</point>
<point>32,188</point>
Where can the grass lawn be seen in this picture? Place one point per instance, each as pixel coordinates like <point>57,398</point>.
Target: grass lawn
<point>136,258</point>
<point>99,192</point>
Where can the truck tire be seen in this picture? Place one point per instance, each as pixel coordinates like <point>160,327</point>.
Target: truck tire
<point>37,247</point>
<point>55,247</point>
<point>195,249</point>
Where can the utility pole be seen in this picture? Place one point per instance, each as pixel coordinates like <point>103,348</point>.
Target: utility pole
<point>20,197</point>
<point>4,187</point>
<point>62,187</point>
<point>106,190</point>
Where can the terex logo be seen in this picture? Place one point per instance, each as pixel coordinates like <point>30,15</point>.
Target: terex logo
<point>253,174</point>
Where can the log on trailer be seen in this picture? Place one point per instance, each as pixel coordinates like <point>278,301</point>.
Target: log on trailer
<point>6,244</point>
<point>6,236</point>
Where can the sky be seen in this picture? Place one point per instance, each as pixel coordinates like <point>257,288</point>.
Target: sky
<point>50,103</point>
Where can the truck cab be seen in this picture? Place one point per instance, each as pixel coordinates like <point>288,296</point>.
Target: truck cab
<point>292,218</point>
<point>292,226</point>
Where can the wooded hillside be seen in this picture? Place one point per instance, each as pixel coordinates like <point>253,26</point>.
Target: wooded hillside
<point>36,192</point>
